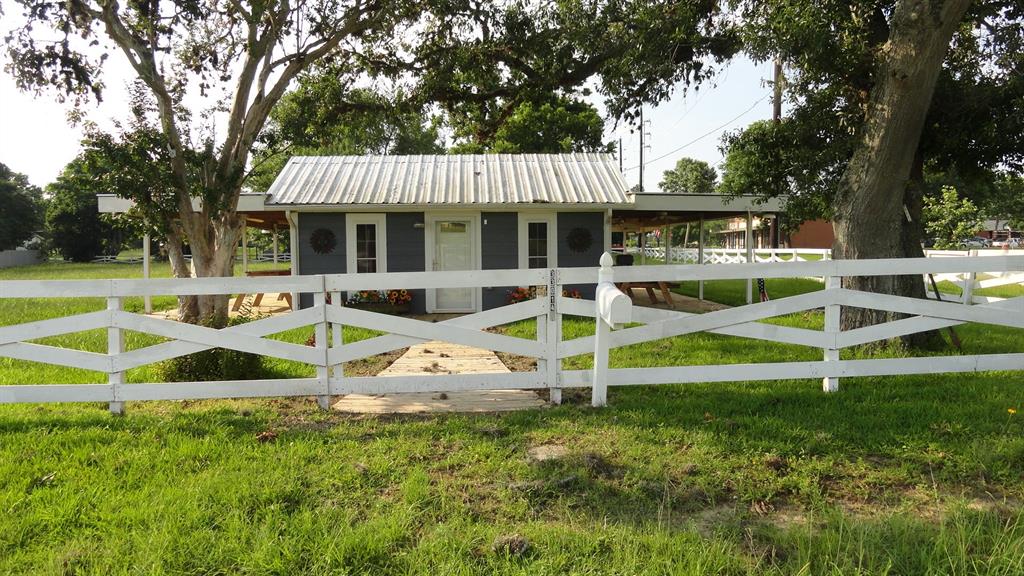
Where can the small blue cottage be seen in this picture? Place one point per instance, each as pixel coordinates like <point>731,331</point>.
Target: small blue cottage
<point>368,214</point>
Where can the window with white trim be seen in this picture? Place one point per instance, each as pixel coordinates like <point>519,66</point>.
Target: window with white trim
<point>365,237</point>
<point>537,245</point>
<point>537,241</point>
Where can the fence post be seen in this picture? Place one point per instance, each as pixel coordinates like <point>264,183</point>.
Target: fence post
<point>549,332</point>
<point>320,335</point>
<point>337,335</point>
<point>700,257</point>
<point>969,281</point>
<point>612,308</point>
<point>832,311</point>
<point>147,300</point>
<point>115,345</point>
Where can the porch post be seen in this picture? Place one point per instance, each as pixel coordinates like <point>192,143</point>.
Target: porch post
<point>147,300</point>
<point>700,255</point>
<point>274,236</point>
<point>668,244</point>
<point>748,241</point>
<point>245,246</point>
<point>641,241</point>
<point>293,247</point>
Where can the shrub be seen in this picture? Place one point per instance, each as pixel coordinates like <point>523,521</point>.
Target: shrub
<point>214,364</point>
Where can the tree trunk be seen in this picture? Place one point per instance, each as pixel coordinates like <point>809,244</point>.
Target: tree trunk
<point>213,241</point>
<point>188,308</point>
<point>877,189</point>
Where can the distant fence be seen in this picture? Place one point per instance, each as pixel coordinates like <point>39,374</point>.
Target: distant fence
<point>269,257</point>
<point>117,260</point>
<point>11,258</point>
<point>328,319</point>
<point>261,257</point>
<point>682,255</point>
<point>970,282</point>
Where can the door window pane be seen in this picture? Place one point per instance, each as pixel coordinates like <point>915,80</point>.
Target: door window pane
<point>366,248</point>
<point>537,244</point>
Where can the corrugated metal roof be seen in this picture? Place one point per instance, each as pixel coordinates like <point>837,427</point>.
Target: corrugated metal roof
<point>450,180</point>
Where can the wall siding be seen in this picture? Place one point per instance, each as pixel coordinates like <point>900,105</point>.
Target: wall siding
<point>406,247</point>
<point>309,261</point>
<point>499,251</point>
<point>592,221</point>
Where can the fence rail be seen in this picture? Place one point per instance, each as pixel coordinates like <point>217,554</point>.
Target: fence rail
<point>611,311</point>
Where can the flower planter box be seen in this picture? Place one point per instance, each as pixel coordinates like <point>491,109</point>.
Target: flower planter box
<point>382,307</point>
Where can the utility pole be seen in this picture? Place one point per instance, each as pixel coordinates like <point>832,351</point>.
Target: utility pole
<point>642,130</point>
<point>644,134</point>
<point>620,155</point>
<point>777,85</point>
<point>775,230</point>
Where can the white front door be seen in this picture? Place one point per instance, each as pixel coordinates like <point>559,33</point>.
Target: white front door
<point>453,242</point>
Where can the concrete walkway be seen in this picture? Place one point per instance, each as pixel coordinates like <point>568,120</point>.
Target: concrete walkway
<point>440,358</point>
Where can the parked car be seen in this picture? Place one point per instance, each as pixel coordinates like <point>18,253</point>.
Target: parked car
<point>976,242</point>
<point>1013,243</point>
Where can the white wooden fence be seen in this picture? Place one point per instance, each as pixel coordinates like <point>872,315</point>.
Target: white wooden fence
<point>330,352</point>
<point>736,255</point>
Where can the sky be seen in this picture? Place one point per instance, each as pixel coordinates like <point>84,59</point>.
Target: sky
<point>37,140</point>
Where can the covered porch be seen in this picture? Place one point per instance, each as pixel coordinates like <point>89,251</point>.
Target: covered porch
<point>657,217</point>
<point>255,215</point>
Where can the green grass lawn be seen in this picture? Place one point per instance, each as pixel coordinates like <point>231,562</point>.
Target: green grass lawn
<point>895,475</point>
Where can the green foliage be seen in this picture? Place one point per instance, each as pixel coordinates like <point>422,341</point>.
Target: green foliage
<point>323,116</point>
<point>552,126</point>
<point>974,125</point>
<point>482,61</point>
<point>950,219</point>
<point>21,209</point>
<point>75,228</point>
<point>1006,200</point>
<point>791,158</point>
<point>214,364</point>
<point>689,177</point>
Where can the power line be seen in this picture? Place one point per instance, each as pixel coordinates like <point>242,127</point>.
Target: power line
<point>703,136</point>
<point>700,95</point>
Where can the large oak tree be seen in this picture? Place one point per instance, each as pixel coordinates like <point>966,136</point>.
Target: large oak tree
<point>887,100</point>
<point>252,50</point>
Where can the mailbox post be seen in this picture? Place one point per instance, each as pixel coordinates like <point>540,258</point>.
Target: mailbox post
<point>614,309</point>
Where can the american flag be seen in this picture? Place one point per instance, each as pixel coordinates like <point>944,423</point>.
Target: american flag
<point>762,290</point>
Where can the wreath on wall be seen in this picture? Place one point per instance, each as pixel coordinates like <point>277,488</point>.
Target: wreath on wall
<point>579,240</point>
<point>323,241</point>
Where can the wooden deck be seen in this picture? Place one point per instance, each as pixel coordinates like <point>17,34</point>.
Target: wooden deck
<point>441,358</point>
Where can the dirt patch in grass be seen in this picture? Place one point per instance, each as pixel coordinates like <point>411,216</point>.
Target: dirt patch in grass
<point>517,363</point>
<point>373,365</point>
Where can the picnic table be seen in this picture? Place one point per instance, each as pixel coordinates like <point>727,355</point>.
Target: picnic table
<point>286,296</point>
<point>663,287</point>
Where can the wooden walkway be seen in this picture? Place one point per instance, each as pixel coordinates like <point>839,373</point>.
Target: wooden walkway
<point>441,358</point>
